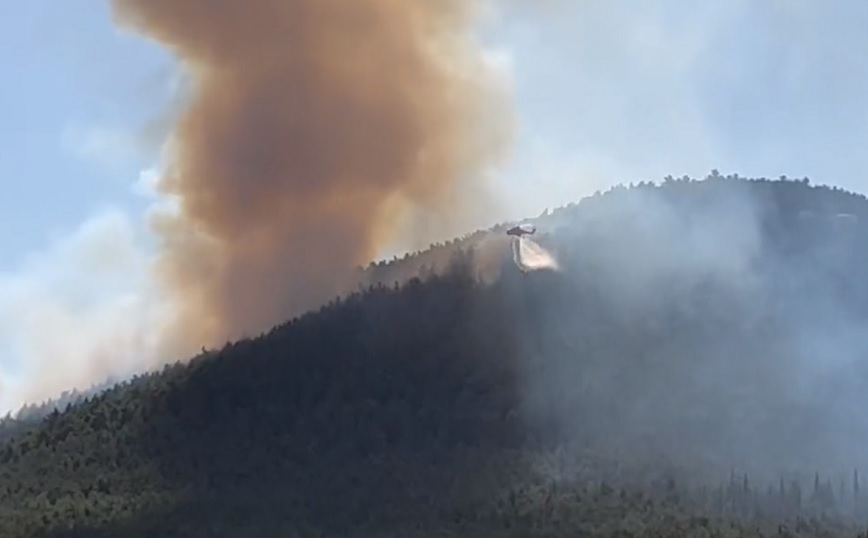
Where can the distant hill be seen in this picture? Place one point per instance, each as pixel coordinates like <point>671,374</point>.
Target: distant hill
<point>697,366</point>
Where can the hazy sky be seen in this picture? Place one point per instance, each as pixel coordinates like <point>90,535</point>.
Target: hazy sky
<point>606,91</point>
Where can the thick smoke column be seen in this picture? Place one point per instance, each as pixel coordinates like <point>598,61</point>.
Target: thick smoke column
<point>313,127</point>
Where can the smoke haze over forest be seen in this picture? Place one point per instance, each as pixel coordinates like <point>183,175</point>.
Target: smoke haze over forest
<point>719,325</point>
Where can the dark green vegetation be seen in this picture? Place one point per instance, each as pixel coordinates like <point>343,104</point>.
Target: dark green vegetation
<point>697,328</point>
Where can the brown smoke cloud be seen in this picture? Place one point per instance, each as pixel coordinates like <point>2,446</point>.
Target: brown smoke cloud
<point>313,131</point>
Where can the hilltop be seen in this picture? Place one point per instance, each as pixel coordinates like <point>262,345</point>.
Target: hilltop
<point>696,366</point>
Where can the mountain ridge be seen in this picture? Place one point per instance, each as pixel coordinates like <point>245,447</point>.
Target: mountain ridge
<point>496,404</point>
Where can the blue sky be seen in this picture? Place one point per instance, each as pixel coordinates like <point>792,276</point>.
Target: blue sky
<point>75,90</point>
<point>606,91</point>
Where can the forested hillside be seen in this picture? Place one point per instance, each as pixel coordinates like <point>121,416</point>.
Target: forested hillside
<point>696,368</point>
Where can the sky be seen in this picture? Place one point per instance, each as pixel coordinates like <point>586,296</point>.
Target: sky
<point>607,91</point>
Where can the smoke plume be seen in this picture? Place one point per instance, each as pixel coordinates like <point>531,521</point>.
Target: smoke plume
<point>313,129</point>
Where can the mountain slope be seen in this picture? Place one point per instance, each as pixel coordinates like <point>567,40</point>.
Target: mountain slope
<point>697,327</point>
<point>373,394</point>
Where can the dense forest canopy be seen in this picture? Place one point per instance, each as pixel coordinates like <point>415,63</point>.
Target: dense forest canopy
<point>700,355</point>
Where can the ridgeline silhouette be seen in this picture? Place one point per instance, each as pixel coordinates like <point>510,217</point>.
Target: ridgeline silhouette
<point>696,369</point>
